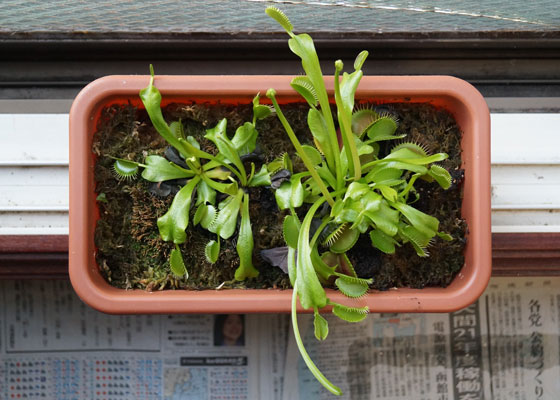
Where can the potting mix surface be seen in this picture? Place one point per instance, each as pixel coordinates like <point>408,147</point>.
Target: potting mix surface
<point>131,254</point>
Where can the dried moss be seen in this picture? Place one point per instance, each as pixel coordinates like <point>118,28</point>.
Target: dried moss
<point>132,255</point>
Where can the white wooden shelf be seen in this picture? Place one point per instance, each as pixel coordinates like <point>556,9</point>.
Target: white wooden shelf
<point>34,171</point>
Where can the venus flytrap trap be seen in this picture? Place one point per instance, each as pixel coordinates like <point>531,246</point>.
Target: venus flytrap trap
<point>364,192</point>
<point>206,175</point>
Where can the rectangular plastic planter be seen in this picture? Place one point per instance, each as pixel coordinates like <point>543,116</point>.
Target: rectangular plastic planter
<point>455,95</point>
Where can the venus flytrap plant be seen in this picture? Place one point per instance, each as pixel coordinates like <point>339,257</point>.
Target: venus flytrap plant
<point>365,194</point>
<point>205,175</point>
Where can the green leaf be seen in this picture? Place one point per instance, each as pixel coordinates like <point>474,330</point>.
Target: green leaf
<point>245,138</point>
<point>205,194</point>
<point>424,223</point>
<point>390,164</point>
<point>347,214</point>
<point>344,96</point>
<point>382,241</point>
<point>445,236</point>
<point>227,188</point>
<point>208,217</point>
<point>173,223</point>
<point>193,142</point>
<point>312,367</point>
<point>261,178</point>
<point>411,157</point>
<point>337,208</point>
<point>388,192</point>
<point>313,154</point>
<point>290,230</point>
<point>419,240</point>
<point>311,291</point>
<point>220,173</point>
<point>101,197</point>
<point>304,87</point>
<point>260,111</point>
<point>321,326</point>
<point>159,169</point>
<point>292,271</point>
<point>346,267</point>
<point>284,195</point>
<point>383,129</point>
<point>199,214</point>
<point>205,214</point>
<point>212,251</point>
<point>348,88</point>
<point>356,190</point>
<point>385,218</point>
<point>352,287</point>
<point>125,169</point>
<point>362,119</point>
<point>319,130</point>
<point>176,262</point>
<point>151,98</point>
<point>360,59</point>
<point>363,148</point>
<point>350,314</point>
<point>217,135</point>
<point>177,129</point>
<point>384,175</point>
<point>323,270</point>
<point>441,176</point>
<point>189,150</point>
<point>226,221</point>
<point>302,45</point>
<point>244,246</point>
<point>326,175</point>
<point>281,162</point>
<point>290,193</point>
<point>345,241</point>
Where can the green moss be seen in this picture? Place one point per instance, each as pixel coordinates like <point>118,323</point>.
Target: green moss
<point>132,255</point>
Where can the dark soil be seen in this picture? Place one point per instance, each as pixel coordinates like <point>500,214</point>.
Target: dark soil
<point>132,255</point>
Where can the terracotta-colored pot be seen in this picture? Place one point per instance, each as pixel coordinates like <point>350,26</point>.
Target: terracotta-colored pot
<point>455,95</point>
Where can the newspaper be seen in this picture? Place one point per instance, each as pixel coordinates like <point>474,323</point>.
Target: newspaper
<point>505,346</point>
<point>53,346</point>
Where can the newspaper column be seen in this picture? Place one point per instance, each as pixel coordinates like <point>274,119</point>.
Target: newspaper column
<point>440,351</point>
<point>466,354</point>
<point>536,346</point>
